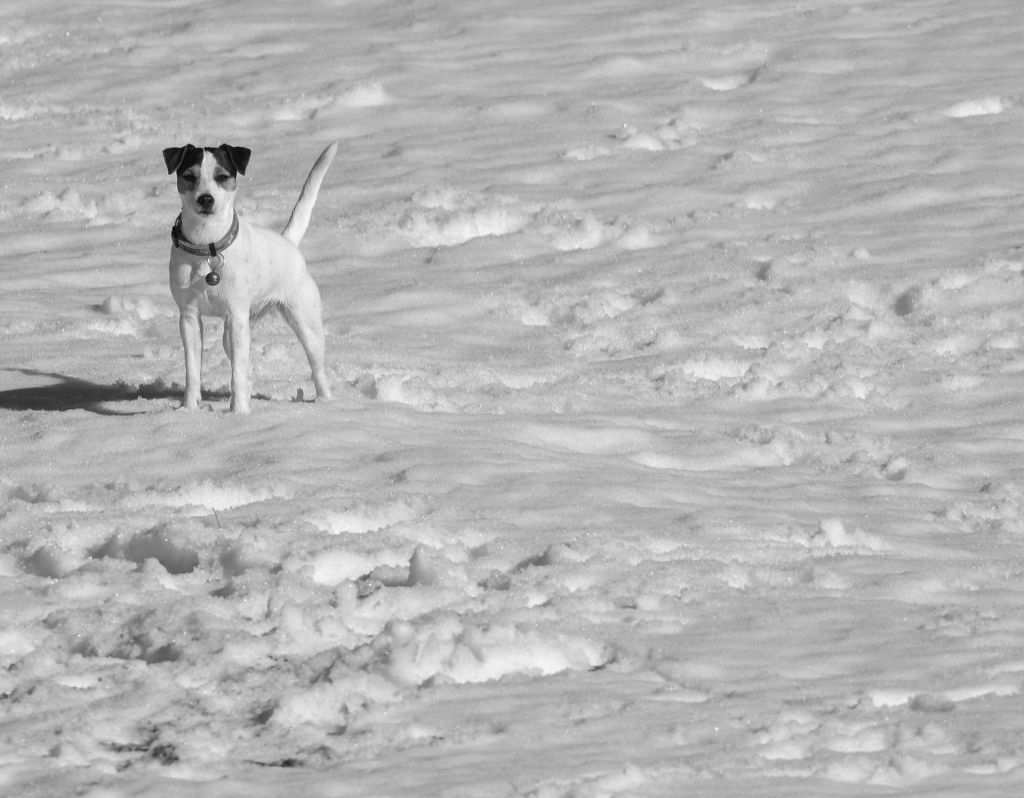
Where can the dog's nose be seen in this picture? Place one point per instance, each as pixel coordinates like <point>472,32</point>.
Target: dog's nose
<point>205,201</point>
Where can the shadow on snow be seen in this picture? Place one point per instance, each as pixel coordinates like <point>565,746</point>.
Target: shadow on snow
<point>72,393</point>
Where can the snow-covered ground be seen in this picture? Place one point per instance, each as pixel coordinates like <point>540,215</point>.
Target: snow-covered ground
<point>677,447</point>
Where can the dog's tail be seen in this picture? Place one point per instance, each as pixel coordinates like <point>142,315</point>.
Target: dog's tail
<point>299,221</point>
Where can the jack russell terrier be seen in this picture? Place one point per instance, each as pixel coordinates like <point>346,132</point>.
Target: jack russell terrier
<point>224,266</point>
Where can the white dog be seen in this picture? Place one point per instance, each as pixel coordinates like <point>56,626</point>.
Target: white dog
<point>223,266</point>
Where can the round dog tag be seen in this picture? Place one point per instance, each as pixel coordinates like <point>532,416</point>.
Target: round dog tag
<point>216,262</point>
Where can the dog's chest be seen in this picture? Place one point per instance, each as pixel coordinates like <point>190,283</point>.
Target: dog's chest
<point>189,286</point>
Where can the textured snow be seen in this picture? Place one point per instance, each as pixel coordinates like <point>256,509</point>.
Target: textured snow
<point>677,442</point>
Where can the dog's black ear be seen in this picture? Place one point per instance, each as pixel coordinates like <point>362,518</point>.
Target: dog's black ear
<point>238,156</point>
<point>179,158</point>
<point>173,156</point>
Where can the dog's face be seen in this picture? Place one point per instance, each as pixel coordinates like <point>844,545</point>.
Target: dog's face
<point>207,176</point>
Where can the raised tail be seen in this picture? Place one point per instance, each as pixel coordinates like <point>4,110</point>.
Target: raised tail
<point>299,221</point>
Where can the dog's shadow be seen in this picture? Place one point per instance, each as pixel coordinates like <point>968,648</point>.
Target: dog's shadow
<point>61,392</point>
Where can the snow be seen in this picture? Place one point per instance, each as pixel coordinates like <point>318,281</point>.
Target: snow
<point>677,439</point>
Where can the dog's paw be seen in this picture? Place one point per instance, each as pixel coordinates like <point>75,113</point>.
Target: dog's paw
<point>322,395</point>
<point>206,407</point>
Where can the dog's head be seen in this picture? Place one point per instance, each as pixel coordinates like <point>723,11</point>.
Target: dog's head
<point>207,176</point>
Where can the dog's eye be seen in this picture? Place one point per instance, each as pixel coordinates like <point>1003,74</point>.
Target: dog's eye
<point>222,178</point>
<point>189,178</point>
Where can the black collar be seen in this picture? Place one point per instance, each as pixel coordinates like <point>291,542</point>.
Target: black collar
<point>211,250</point>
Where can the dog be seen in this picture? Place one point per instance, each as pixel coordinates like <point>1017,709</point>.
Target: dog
<point>222,265</point>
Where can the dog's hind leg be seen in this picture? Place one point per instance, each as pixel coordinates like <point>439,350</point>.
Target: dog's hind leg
<point>304,317</point>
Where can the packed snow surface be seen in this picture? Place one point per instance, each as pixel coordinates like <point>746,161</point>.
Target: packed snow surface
<point>679,435</point>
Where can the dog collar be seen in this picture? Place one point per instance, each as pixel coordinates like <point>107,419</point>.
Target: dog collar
<point>207,250</point>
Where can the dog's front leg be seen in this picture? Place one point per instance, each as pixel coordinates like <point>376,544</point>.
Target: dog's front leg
<point>237,336</point>
<point>190,323</point>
